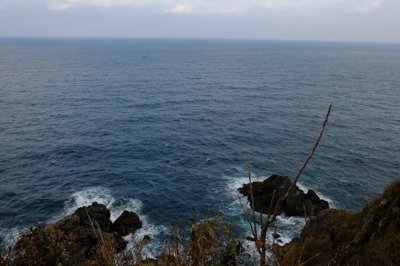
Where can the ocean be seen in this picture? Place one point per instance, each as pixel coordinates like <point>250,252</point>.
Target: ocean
<point>162,127</point>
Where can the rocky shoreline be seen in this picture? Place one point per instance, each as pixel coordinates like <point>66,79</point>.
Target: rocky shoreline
<point>329,237</point>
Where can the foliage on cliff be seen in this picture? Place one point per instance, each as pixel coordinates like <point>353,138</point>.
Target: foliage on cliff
<point>336,237</point>
<point>208,242</point>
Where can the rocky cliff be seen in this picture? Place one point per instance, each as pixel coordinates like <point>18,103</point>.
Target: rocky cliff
<point>337,237</point>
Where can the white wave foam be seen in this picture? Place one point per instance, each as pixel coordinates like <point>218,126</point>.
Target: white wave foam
<point>290,220</point>
<point>116,206</point>
<point>103,196</point>
<point>289,227</point>
<point>155,232</point>
<point>133,205</point>
<point>236,182</point>
<point>87,197</point>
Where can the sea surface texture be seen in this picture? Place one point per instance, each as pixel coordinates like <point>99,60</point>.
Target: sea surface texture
<point>163,127</point>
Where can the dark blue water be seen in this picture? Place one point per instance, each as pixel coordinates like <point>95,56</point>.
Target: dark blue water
<point>163,127</point>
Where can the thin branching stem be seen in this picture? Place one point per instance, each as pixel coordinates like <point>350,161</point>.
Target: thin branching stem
<point>281,198</point>
<point>272,204</point>
<point>309,156</point>
<point>252,199</point>
<point>245,212</point>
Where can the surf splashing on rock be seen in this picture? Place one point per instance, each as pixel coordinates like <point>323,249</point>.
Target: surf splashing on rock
<point>117,206</point>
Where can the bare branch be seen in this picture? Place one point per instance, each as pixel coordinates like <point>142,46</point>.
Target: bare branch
<point>309,156</point>
<point>272,204</point>
<point>248,219</point>
<point>281,198</point>
<point>278,205</point>
<point>252,199</point>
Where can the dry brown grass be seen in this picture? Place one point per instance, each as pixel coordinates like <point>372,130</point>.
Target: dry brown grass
<point>209,242</point>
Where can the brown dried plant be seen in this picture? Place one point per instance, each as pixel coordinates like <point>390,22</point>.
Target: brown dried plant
<point>41,246</point>
<point>210,243</point>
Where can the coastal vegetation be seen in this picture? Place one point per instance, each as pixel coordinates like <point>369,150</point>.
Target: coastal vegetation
<point>337,237</point>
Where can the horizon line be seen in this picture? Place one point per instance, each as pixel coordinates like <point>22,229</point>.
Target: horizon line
<point>190,38</point>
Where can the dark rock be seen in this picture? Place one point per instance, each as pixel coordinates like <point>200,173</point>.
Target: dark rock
<point>81,233</point>
<point>99,215</point>
<point>146,238</point>
<point>79,248</point>
<point>263,191</point>
<point>275,235</point>
<point>127,223</point>
<point>250,238</point>
<point>150,261</point>
<point>319,204</point>
<point>295,203</point>
<point>313,197</point>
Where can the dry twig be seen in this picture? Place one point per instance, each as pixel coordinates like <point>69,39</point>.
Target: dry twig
<point>261,243</point>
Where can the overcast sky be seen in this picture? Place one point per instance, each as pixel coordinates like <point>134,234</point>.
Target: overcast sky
<point>323,20</point>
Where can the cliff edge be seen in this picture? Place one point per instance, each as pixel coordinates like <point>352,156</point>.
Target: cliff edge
<point>337,237</point>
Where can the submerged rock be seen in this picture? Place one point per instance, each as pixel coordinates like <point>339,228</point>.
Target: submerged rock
<point>297,204</point>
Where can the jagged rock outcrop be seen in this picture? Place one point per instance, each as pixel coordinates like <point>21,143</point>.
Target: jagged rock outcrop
<point>77,235</point>
<point>295,203</point>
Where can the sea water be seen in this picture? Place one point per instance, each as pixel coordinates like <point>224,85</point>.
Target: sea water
<point>162,127</point>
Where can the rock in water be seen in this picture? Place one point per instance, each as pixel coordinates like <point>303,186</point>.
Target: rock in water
<point>295,203</point>
<point>79,233</point>
<point>127,223</point>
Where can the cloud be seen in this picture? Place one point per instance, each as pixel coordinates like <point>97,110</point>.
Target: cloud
<point>231,7</point>
<point>278,4</point>
<point>360,20</point>
<point>235,7</point>
<point>66,4</point>
<point>113,3</point>
<point>180,9</point>
<point>366,6</point>
<point>209,6</point>
<point>60,6</point>
<point>346,6</point>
